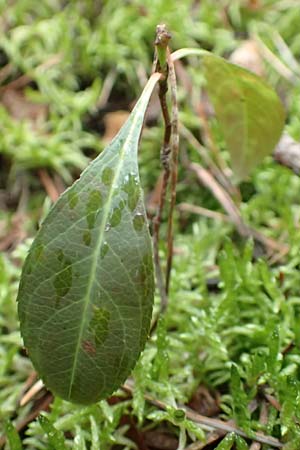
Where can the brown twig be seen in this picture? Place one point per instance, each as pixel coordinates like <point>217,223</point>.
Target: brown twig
<point>187,207</point>
<point>207,423</point>
<point>273,401</point>
<point>106,88</point>
<point>161,66</point>
<point>203,153</point>
<point>211,145</point>
<point>220,194</point>
<point>173,167</point>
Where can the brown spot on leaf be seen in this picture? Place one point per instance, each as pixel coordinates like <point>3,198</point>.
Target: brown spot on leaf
<point>89,347</point>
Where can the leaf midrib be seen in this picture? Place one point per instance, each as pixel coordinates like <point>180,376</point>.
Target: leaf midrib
<point>99,242</point>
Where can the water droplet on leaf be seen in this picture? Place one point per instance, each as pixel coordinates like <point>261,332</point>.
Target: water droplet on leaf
<point>104,249</point>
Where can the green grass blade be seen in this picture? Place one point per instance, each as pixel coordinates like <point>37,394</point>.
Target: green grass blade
<point>55,437</point>
<point>13,436</point>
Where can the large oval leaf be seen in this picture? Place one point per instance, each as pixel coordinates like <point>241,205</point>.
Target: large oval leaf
<point>249,112</point>
<point>86,292</point>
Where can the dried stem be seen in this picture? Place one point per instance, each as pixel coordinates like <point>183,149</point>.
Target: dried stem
<point>161,66</point>
<point>174,167</point>
<point>232,210</point>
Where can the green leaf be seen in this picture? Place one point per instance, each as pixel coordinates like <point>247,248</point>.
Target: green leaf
<point>194,429</point>
<point>86,292</point>
<point>240,400</point>
<point>249,112</point>
<point>227,442</point>
<point>240,443</point>
<point>13,436</point>
<point>55,437</point>
<point>95,444</point>
<point>79,440</point>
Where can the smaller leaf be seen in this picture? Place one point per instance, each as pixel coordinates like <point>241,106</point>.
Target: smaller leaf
<point>227,442</point>
<point>194,429</point>
<point>161,362</point>
<point>240,400</point>
<point>79,440</point>
<point>249,112</point>
<point>13,436</point>
<point>94,434</point>
<point>55,437</point>
<point>240,443</point>
<point>273,359</point>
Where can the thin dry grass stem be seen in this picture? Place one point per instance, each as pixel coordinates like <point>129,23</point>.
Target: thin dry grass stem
<point>35,389</point>
<point>106,88</point>
<point>223,168</point>
<point>203,153</point>
<point>285,52</point>
<point>49,185</point>
<point>275,62</point>
<point>221,195</point>
<point>233,212</point>
<point>187,207</point>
